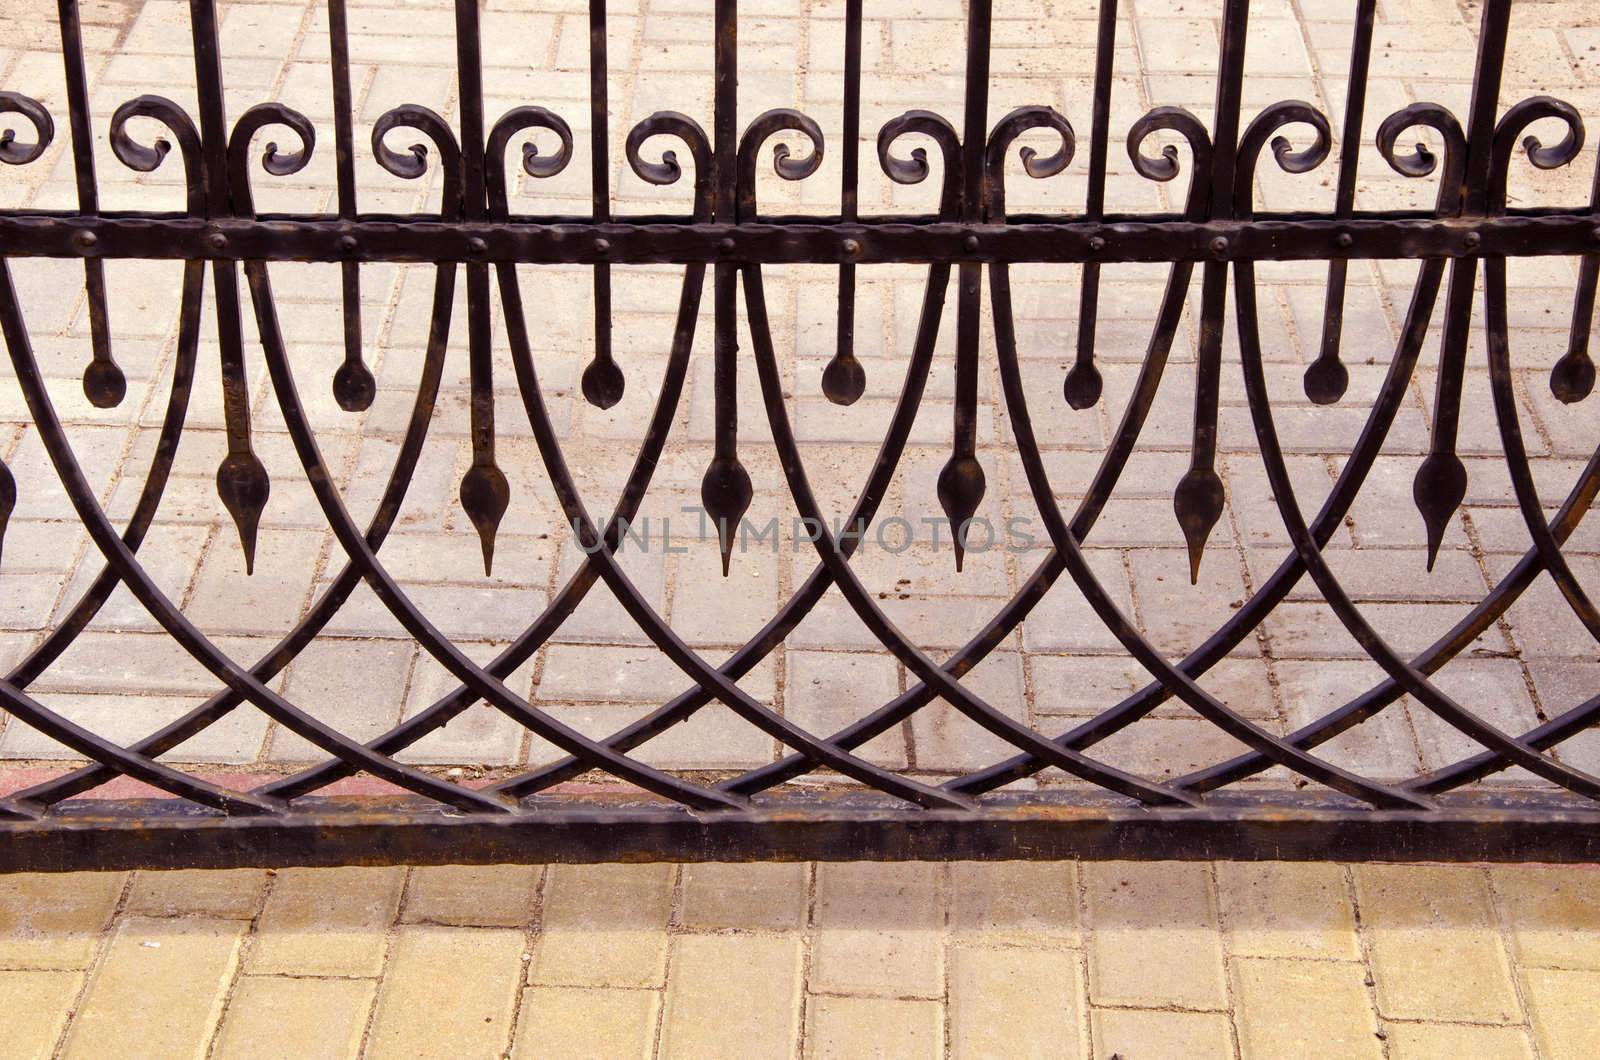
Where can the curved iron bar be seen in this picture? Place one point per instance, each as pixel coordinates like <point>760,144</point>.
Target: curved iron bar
<point>911,170</point>
<point>650,621</point>
<point>860,600</point>
<point>1163,167</point>
<point>567,599</point>
<point>1068,547</point>
<point>338,591</point>
<point>1410,679</point>
<point>1515,121</point>
<point>491,689</point>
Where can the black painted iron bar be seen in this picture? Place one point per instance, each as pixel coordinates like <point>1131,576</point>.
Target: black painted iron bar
<point>485,492</point>
<point>1326,378</point>
<point>1572,377</point>
<point>353,384</point>
<point>242,481</point>
<point>961,484</point>
<point>602,382</point>
<point>104,383</point>
<point>1083,384</point>
<point>843,379</point>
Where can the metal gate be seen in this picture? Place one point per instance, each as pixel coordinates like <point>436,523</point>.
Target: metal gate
<point>1005,810</point>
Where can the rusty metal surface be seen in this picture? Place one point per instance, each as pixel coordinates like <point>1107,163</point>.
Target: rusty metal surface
<point>751,815</point>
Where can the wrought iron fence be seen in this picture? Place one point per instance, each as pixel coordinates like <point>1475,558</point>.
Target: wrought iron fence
<point>1328,811</point>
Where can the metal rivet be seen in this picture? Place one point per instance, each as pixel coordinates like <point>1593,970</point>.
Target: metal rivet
<point>1346,240</point>
<point>476,245</point>
<point>217,241</point>
<point>1219,246</point>
<point>602,246</point>
<point>1097,243</point>
<point>1595,235</point>
<point>971,244</point>
<point>86,239</point>
<point>347,243</point>
<point>1472,240</point>
<point>727,245</point>
<point>850,248</point>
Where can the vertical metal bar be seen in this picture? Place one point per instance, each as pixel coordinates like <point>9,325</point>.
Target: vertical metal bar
<point>1441,481</point>
<point>485,493</point>
<point>353,385</point>
<point>1199,497</point>
<point>602,382</point>
<point>1082,386</point>
<point>1326,377</point>
<point>103,381</point>
<point>1572,377</point>
<point>961,483</point>
<point>725,490</point>
<point>844,380</point>
<point>241,479</point>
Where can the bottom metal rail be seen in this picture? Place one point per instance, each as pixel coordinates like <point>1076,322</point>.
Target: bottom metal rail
<point>1264,826</point>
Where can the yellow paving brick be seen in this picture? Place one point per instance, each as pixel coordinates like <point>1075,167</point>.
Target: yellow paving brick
<point>1303,1008</point>
<point>472,895</point>
<point>1027,900</point>
<point>447,985</point>
<point>274,1018</point>
<point>326,922</point>
<point>1153,936</point>
<point>1431,1041</point>
<point>1151,1034</point>
<point>1552,914</point>
<point>583,1022</point>
<point>1423,921</point>
<point>227,893</point>
<point>1015,1002</point>
<point>1561,1008</point>
<point>604,925</point>
<point>846,1028</point>
<point>758,897</point>
<point>50,920</point>
<point>1283,909</point>
<point>158,993</point>
<point>879,930</point>
<point>33,1010</point>
<point>713,976</point>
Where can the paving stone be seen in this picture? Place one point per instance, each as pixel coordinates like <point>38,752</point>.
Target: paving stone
<point>1294,1007</point>
<point>34,1009</point>
<point>227,893</point>
<point>1016,1002</point>
<point>765,992</point>
<point>578,1023</point>
<point>1153,938</point>
<point>472,895</point>
<point>1420,920</point>
<point>1551,914</point>
<point>878,930</point>
<point>1153,1034</point>
<point>1559,1008</point>
<point>173,973</point>
<point>1417,1041</point>
<point>456,985</point>
<point>754,897</point>
<point>1275,909</point>
<point>899,1030</point>
<point>326,922</point>
<point>1024,901</point>
<point>51,921</point>
<point>271,1017</point>
<point>603,925</point>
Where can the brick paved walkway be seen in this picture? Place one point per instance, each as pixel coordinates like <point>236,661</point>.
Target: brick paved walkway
<point>1137,961</point>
